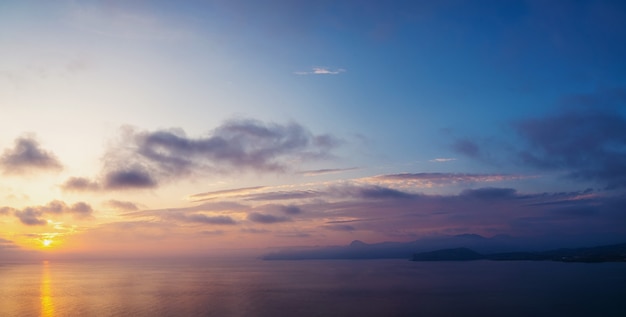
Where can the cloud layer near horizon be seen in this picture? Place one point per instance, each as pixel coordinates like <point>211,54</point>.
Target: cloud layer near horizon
<point>381,212</point>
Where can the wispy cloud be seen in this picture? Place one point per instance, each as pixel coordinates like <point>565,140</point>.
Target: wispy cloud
<point>429,180</point>
<point>121,205</point>
<point>442,160</point>
<point>224,193</point>
<point>327,171</point>
<point>266,218</point>
<point>321,70</point>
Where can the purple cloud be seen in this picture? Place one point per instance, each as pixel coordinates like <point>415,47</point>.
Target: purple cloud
<point>266,218</point>
<point>144,159</point>
<point>132,178</point>
<point>589,143</point>
<point>201,218</point>
<point>33,215</point>
<point>80,184</point>
<point>30,217</point>
<point>247,144</point>
<point>585,139</point>
<point>27,156</point>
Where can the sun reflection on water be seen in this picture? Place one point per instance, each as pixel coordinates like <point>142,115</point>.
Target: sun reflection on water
<point>47,307</point>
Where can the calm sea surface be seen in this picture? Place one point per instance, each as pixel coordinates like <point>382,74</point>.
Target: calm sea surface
<point>311,288</point>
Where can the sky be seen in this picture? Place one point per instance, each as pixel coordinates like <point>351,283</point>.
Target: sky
<point>136,128</point>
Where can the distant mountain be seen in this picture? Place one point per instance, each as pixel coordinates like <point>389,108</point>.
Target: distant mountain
<point>456,254</point>
<point>607,253</point>
<point>361,250</point>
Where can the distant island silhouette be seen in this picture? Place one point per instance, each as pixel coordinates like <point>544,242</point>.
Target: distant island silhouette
<point>462,247</point>
<point>607,253</point>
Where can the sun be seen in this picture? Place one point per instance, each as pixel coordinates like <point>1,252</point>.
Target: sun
<point>46,242</point>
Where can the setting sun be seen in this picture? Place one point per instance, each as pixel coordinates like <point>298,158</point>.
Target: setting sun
<point>46,242</point>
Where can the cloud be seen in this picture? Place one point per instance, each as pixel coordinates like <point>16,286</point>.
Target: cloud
<point>291,210</point>
<point>30,217</point>
<point>378,192</point>
<point>266,218</point>
<point>121,205</point>
<point>233,147</point>
<point>240,144</point>
<point>6,210</point>
<point>212,232</point>
<point>320,70</point>
<point>145,159</point>
<point>219,206</point>
<point>442,160</point>
<point>127,178</point>
<point>33,215</point>
<point>131,178</point>
<point>584,139</point>
<point>283,209</point>
<point>467,147</point>
<point>201,218</point>
<point>7,244</point>
<point>224,193</point>
<point>590,143</point>
<point>326,171</point>
<point>27,156</point>
<point>381,213</point>
<point>427,180</point>
<point>210,213</point>
<point>284,195</point>
<point>80,210</point>
<point>489,193</point>
<point>80,184</point>
<point>339,227</point>
<point>254,230</point>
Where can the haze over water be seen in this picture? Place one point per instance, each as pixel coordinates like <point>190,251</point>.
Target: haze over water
<point>251,287</point>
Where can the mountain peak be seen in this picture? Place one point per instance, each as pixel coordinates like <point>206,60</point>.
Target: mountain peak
<point>357,243</point>
<point>469,236</point>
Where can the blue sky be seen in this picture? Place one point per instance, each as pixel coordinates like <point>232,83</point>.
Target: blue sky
<point>405,107</point>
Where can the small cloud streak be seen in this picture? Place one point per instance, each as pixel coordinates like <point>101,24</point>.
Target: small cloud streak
<point>321,70</point>
<point>266,218</point>
<point>121,205</point>
<point>326,171</point>
<point>442,160</point>
<point>202,218</point>
<point>429,180</point>
<point>224,193</point>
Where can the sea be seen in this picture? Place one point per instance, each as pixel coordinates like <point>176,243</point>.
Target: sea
<point>253,287</point>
